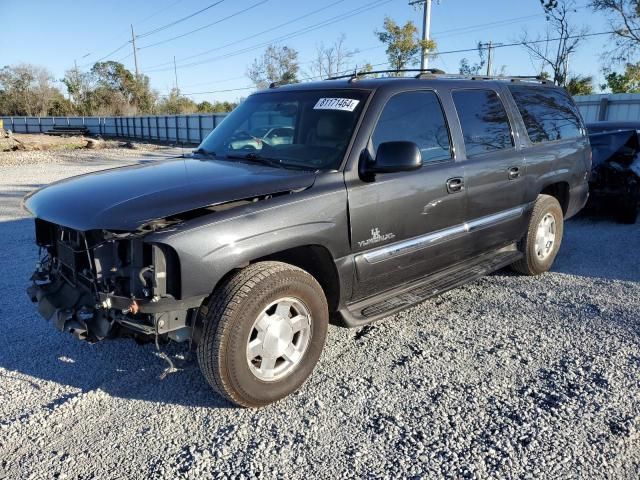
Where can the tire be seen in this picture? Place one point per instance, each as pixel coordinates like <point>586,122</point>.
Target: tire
<point>537,261</point>
<point>238,312</point>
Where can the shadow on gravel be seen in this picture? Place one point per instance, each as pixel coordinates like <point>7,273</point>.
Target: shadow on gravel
<point>596,246</point>
<point>32,351</point>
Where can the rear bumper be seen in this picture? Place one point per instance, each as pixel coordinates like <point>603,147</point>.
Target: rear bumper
<point>578,197</point>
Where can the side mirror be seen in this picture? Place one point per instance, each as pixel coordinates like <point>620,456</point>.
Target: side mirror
<point>394,157</point>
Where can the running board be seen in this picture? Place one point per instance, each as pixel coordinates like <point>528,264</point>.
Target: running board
<point>390,302</point>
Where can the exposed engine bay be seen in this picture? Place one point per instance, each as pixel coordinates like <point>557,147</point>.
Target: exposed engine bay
<point>100,284</point>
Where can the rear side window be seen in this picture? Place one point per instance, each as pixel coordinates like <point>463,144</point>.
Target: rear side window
<point>484,121</point>
<point>549,114</point>
<point>415,117</point>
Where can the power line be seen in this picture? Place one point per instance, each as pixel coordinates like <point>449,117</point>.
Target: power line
<point>175,22</point>
<point>476,48</point>
<point>125,44</point>
<point>128,42</point>
<point>302,17</point>
<point>472,28</point>
<point>158,11</point>
<point>332,20</point>
<point>205,26</point>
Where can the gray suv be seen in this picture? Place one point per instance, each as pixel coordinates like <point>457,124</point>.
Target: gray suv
<point>389,191</point>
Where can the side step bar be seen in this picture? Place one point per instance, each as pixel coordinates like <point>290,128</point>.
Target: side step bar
<point>387,303</point>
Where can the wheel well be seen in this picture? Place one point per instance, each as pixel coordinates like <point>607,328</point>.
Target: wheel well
<point>560,191</point>
<point>316,260</point>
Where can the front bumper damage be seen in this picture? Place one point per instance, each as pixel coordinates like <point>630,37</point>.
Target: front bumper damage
<point>95,318</point>
<point>98,286</point>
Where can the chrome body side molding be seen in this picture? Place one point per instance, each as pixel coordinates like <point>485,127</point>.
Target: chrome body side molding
<point>417,243</point>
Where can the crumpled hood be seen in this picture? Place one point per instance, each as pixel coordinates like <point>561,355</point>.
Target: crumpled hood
<point>127,197</point>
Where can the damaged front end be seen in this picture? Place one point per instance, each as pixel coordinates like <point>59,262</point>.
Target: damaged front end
<point>103,284</point>
<point>615,175</point>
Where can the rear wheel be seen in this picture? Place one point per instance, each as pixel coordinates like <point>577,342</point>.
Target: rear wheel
<point>544,236</point>
<point>264,331</point>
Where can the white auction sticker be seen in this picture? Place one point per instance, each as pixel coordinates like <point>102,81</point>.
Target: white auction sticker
<point>345,104</point>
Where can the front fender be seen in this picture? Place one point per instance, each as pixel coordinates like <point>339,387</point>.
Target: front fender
<point>210,247</point>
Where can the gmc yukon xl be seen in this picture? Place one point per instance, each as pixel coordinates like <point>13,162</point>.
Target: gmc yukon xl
<point>380,193</point>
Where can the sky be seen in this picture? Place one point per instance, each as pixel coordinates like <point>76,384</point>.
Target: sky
<point>212,62</point>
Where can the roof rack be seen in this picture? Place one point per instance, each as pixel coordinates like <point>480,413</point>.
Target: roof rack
<point>362,73</point>
<point>434,73</point>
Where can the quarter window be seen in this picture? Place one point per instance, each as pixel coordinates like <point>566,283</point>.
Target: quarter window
<point>484,121</point>
<point>415,117</point>
<point>548,113</point>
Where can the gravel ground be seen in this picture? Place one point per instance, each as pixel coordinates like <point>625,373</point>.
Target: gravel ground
<point>508,377</point>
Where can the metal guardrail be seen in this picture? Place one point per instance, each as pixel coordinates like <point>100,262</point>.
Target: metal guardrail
<point>191,129</point>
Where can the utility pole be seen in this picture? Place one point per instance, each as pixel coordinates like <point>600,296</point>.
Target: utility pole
<point>175,72</point>
<point>489,46</point>
<point>426,30</point>
<point>135,52</point>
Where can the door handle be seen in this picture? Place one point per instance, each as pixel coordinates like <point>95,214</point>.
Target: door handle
<point>514,172</point>
<point>455,185</point>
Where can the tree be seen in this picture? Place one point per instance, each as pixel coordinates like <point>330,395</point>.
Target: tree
<point>403,43</point>
<point>80,90</point>
<point>480,67</point>
<point>175,104</point>
<point>60,106</point>
<point>277,65</point>
<point>627,82</point>
<point>217,107</point>
<point>556,58</point>
<point>579,85</point>
<point>470,70</point>
<point>332,60</point>
<point>624,20</point>
<point>26,89</point>
<point>119,90</point>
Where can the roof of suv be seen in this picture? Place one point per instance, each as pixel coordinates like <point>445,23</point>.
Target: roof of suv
<point>402,83</point>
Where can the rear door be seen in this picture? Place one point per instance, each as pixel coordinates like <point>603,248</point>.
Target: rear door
<point>405,225</point>
<point>558,148</point>
<point>494,168</point>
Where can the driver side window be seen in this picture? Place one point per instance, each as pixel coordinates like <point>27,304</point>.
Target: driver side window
<point>415,117</point>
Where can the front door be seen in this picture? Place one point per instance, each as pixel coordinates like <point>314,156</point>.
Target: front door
<point>406,225</point>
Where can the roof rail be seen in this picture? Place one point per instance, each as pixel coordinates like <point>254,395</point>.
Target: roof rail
<point>433,73</point>
<point>513,78</point>
<point>362,73</point>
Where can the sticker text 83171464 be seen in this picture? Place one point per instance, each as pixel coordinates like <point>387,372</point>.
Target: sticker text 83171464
<point>345,104</point>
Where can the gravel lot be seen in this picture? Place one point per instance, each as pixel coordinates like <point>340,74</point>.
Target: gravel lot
<point>508,377</point>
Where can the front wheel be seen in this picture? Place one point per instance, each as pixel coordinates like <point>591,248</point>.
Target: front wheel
<point>544,236</point>
<point>264,331</point>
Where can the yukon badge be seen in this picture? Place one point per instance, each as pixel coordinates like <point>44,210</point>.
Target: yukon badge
<point>376,237</point>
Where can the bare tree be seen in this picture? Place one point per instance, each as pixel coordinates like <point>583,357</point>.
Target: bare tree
<point>26,89</point>
<point>331,60</point>
<point>624,20</point>
<point>561,39</point>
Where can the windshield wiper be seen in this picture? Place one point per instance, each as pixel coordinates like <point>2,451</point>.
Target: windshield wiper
<point>254,157</point>
<point>202,151</point>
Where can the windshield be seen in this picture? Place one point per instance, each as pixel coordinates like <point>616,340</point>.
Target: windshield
<point>300,129</point>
